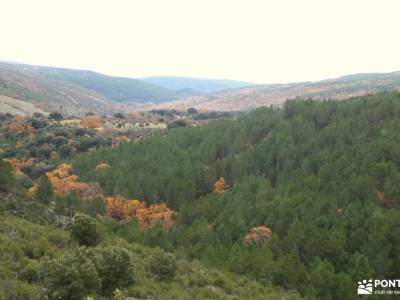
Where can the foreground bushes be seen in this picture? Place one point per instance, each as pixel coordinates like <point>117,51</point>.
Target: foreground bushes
<point>114,266</point>
<point>85,230</point>
<point>162,265</point>
<point>84,271</point>
<point>71,276</point>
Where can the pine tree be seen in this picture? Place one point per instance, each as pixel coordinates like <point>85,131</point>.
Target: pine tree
<point>45,192</point>
<point>7,179</point>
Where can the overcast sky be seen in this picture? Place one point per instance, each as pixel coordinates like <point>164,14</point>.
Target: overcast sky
<point>254,40</point>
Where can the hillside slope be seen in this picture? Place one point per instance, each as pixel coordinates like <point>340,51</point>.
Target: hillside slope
<point>39,259</point>
<point>276,94</point>
<point>117,89</point>
<point>46,93</point>
<point>77,91</point>
<point>18,107</point>
<point>202,85</point>
<point>305,197</point>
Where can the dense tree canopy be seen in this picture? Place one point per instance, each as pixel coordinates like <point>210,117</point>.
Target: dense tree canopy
<point>322,175</point>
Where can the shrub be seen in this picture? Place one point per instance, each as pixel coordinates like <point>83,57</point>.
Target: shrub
<point>30,271</point>
<point>192,111</point>
<point>119,116</point>
<point>55,116</point>
<point>7,179</point>
<point>38,123</point>
<point>177,124</point>
<point>85,230</point>
<point>95,207</point>
<point>163,265</point>
<point>45,192</point>
<point>19,290</point>
<point>71,276</point>
<point>114,266</point>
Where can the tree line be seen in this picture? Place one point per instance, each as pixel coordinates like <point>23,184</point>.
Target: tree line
<point>323,176</point>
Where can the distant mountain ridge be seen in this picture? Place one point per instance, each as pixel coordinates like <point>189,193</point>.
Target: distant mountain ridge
<point>27,88</point>
<point>202,85</point>
<point>20,83</point>
<point>118,89</point>
<point>250,97</point>
<point>79,91</point>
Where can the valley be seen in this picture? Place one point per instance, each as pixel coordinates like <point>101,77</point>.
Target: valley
<point>264,198</point>
<point>199,150</point>
<point>77,92</point>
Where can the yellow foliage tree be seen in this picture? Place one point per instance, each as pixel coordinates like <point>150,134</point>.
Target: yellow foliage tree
<point>102,166</point>
<point>220,185</point>
<point>64,183</point>
<point>32,190</point>
<point>122,208</point>
<point>91,122</point>
<point>257,236</point>
<point>147,217</point>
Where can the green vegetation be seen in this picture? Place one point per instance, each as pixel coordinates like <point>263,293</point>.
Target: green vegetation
<point>52,86</point>
<point>114,266</point>
<point>118,89</point>
<point>85,230</point>
<point>163,265</point>
<point>322,175</point>
<point>45,192</point>
<point>24,83</point>
<point>70,276</point>
<point>40,260</point>
<point>35,256</point>
<point>305,198</point>
<point>7,179</point>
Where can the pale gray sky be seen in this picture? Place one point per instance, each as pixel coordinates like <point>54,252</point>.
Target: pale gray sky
<point>255,40</point>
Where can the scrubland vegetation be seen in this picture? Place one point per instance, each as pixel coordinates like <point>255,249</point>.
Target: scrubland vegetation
<point>301,201</point>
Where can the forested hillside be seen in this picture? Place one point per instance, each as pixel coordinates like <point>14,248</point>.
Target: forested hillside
<point>76,92</point>
<point>118,89</point>
<point>305,197</point>
<point>46,253</point>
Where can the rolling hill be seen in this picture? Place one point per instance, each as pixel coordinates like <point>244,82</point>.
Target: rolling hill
<point>276,94</point>
<point>117,89</point>
<point>318,181</point>
<point>29,237</point>
<point>201,85</point>
<point>77,91</point>
<point>22,83</point>
<point>37,88</point>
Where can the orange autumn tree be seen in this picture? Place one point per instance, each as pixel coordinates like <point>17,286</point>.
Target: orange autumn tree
<point>32,190</point>
<point>257,236</point>
<point>64,182</point>
<point>383,201</point>
<point>20,163</point>
<point>92,122</point>
<point>220,185</point>
<point>19,125</point>
<point>121,208</point>
<point>147,217</point>
<point>248,147</point>
<point>15,127</point>
<point>102,166</point>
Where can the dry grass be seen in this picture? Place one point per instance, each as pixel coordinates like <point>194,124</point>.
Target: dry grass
<point>18,107</point>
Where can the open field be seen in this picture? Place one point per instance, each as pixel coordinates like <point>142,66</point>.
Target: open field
<point>18,107</point>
